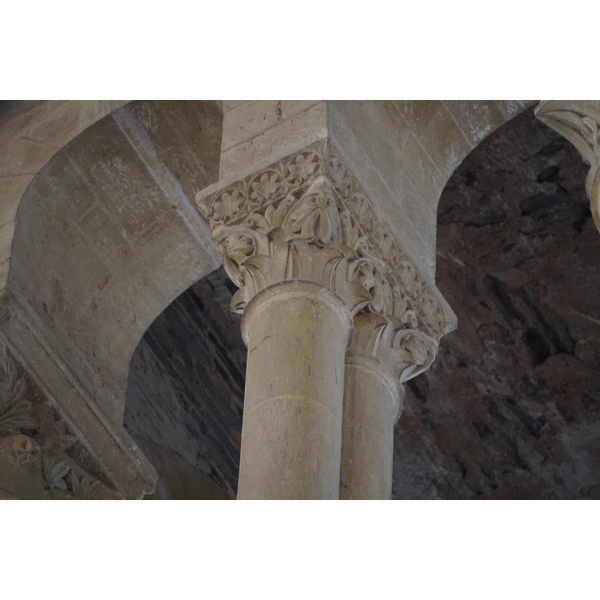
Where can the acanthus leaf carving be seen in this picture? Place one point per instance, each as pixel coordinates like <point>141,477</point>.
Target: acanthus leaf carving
<point>82,487</point>
<point>293,237</point>
<point>36,442</point>
<point>271,226</point>
<point>15,409</point>
<point>413,352</point>
<point>407,352</point>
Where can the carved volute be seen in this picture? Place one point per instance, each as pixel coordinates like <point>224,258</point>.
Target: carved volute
<point>38,453</point>
<point>306,217</point>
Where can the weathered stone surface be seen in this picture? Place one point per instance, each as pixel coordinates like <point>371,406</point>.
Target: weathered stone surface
<point>511,407</point>
<point>107,236</point>
<point>41,457</point>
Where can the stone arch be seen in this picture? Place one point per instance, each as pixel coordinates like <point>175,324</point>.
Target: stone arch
<point>31,133</point>
<point>105,238</point>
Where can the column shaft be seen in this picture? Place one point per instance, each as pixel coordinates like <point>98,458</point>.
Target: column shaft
<point>371,408</point>
<point>296,333</point>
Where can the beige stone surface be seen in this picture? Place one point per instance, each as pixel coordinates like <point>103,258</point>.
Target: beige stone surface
<point>12,186</point>
<point>372,406</point>
<point>17,117</point>
<point>296,333</point>
<point>267,139</point>
<point>30,134</point>
<point>118,244</point>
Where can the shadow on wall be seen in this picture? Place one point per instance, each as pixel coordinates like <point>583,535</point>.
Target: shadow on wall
<point>185,393</point>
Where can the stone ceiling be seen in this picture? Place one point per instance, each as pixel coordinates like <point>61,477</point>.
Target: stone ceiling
<point>510,408</point>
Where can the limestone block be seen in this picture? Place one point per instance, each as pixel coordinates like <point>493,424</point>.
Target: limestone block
<point>377,154</point>
<point>25,156</point>
<point>231,104</point>
<point>175,255</point>
<point>418,210</point>
<point>118,178</point>
<point>248,120</point>
<point>422,170</point>
<point>61,190</point>
<point>244,121</point>
<point>289,108</point>
<point>71,118</point>
<point>272,144</point>
<point>6,237</point>
<point>4,267</point>
<point>353,139</point>
<point>476,118</point>
<point>180,140</point>
<point>445,142</point>
<point>417,114</point>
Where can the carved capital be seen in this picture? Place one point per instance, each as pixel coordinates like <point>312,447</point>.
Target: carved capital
<point>407,352</point>
<point>39,457</point>
<point>579,122</point>
<point>293,237</point>
<point>307,217</point>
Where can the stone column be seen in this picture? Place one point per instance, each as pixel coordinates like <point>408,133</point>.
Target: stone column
<point>379,359</point>
<point>579,122</point>
<point>296,333</point>
<point>308,252</point>
<point>281,235</point>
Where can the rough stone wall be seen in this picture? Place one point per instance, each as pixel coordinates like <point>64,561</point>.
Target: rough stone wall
<point>186,390</point>
<point>511,407</point>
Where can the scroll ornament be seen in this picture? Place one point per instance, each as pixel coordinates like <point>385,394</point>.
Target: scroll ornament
<point>306,217</point>
<point>408,352</point>
<point>36,443</point>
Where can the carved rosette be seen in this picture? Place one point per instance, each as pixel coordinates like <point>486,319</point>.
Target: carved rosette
<point>306,217</point>
<point>579,122</point>
<point>35,457</point>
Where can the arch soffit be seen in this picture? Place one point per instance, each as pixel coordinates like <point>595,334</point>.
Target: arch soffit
<point>99,269</point>
<point>31,133</point>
